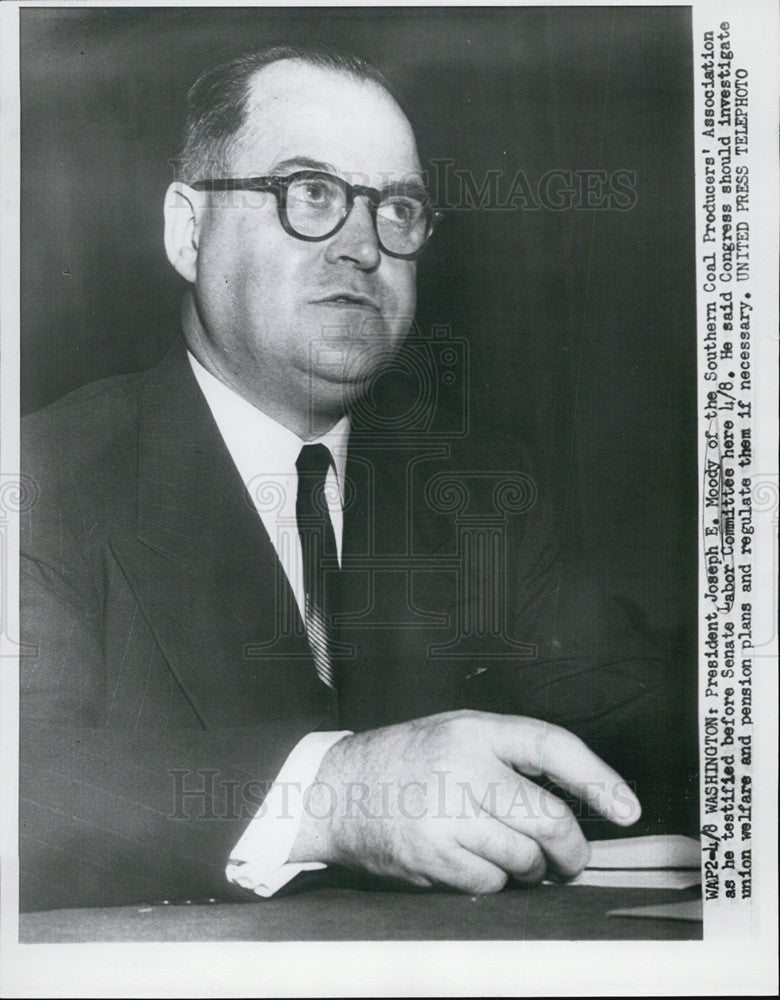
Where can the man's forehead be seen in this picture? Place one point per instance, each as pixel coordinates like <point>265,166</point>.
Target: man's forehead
<point>298,111</point>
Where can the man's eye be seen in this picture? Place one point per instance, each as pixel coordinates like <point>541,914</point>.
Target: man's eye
<point>402,212</point>
<point>316,193</point>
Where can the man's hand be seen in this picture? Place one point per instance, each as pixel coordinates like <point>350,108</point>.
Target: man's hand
<point>447,800</point>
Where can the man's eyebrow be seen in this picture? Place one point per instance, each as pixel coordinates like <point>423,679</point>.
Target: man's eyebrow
<point>302,163</point>
<point>412,187</point>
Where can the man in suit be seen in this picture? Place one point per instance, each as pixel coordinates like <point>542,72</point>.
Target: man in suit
<point>234,583</point>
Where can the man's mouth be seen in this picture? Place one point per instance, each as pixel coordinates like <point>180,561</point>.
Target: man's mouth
<point>349,299</point>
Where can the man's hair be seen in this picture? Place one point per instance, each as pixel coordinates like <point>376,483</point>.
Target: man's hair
<point>217,102</point>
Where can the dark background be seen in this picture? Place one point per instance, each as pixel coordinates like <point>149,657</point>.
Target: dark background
<point>580,323</point>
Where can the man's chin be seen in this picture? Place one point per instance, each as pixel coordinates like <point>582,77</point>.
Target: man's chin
<point>330,390</point>
<point>353,363</point>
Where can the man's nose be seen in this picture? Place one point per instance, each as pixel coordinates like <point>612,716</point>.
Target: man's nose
<point>356,240</point>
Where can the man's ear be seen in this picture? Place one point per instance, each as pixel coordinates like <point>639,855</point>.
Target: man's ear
<point>183,215</point>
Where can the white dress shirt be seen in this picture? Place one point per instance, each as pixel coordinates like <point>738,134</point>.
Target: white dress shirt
<point>265,454</point>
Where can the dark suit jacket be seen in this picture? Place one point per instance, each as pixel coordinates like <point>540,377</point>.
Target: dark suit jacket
<point>172,676</point>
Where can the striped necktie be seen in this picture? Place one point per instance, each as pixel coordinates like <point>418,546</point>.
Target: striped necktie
<point>318,544</point>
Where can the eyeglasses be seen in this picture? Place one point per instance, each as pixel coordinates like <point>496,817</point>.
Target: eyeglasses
<point>314,205</point>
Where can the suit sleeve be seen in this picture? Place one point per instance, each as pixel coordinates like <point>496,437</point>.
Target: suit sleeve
<point>117,808</point>
<point>628,691</point>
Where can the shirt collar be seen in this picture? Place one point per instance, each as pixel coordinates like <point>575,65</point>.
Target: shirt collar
<point>257,442</point>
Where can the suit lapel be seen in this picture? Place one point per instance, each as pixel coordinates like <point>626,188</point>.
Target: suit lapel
<point>399,587</point>
<point>204,570</point>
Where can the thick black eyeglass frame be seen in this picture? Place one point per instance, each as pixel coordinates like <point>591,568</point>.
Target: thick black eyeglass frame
<point>279,185</point>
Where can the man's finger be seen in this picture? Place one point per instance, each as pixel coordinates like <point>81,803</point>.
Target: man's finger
<point>537,748</point>
<point>511,851</point>
<point>532,812</point>
<point>468,872</point>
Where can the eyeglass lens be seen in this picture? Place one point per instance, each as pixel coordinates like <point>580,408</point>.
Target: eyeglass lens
<point>317,205</point>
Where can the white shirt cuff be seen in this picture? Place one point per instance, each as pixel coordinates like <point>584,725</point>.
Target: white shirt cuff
<point>259,860</point>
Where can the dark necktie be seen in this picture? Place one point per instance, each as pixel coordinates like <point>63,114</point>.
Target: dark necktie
<point>318,543</point>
